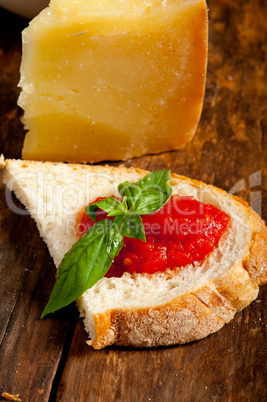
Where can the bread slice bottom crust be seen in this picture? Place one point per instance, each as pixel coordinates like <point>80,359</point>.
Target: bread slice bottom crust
<point>187,318</point>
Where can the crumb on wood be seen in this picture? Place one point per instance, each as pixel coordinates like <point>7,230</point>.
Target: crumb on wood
<point>11,397</point>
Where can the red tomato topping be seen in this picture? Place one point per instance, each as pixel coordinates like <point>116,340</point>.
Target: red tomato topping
<point>181,232</point>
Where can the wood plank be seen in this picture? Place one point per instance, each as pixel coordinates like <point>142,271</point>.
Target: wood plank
<point>30,348</point>
<point>49,360</point>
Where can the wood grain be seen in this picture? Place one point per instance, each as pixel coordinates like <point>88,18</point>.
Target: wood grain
<point>49,360</point>
<point>30,348</point>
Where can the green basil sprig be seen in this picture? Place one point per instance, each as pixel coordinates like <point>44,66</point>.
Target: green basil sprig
<point>90,257</point>
<point>148,194</point>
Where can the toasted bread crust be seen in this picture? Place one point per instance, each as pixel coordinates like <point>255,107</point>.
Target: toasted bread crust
<point>4,163</point>
<point>255,262</point>
<point>187,318</point>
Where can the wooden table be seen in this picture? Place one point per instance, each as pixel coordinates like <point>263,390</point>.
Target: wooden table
<point>48,360</point>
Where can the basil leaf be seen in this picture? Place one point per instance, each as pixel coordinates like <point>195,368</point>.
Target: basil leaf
<point>131,191</point>
<point>157,180</point>
<point>150,201</point>
<point>148,194</point>
<point>91,211</point>
<point>130,225</point>
<point>111,205</point>
<point>87,262</point>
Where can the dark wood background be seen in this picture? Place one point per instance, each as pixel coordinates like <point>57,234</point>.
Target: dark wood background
<point>48,360</point>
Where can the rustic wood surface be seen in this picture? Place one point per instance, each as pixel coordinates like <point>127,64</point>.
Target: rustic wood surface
<point>48,360</point>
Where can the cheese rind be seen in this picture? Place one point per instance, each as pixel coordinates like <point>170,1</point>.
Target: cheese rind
<point>110,83</point>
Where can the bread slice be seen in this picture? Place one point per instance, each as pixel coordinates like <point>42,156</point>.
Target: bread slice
<point>144,310</point>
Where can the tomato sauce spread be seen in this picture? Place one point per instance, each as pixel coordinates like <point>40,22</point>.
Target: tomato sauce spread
<point>183,231</point>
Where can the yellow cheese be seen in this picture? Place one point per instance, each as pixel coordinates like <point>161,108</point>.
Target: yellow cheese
<point>112,79</point>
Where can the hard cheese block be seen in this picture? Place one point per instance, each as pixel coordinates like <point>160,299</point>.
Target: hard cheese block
<point>112,79</point>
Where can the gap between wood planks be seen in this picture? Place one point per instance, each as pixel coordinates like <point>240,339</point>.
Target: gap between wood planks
<point>63,359</point>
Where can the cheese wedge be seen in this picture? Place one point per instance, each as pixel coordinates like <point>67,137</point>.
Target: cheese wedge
<point>111,80</point>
